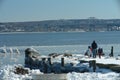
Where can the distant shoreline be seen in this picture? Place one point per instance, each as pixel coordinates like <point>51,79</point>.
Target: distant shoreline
<point>54,32</point>
<point>75,25</point>
<point>37,32</point>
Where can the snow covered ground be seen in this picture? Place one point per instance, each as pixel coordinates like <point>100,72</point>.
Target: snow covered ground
<point>7,71</point>
<point>93,76</point>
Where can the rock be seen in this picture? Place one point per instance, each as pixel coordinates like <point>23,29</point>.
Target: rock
<point>54,55</point>
<point>100,65</point>
<point>31,53</point>
<point>115,68</point>
<point>21,70</point>
<point>67,55</point>
<point>31,58</point>
<point>83,61</point>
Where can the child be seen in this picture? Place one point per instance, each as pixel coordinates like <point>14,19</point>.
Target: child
<point>88,52</point>
<point>100,52</point>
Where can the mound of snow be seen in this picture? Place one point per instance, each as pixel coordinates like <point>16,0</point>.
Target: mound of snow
<point>93,76</point>
<point>7,73</point>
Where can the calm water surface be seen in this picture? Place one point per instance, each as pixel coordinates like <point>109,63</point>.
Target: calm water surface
<point>71,38</point>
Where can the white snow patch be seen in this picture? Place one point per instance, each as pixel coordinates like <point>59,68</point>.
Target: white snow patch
<point>93,76</point>
<point>7,73</point>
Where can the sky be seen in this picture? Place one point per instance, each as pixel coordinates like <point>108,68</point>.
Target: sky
<point>39,10</point>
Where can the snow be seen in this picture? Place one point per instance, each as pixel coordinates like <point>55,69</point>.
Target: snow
<point>7,71</point>
<point>79,49</point>
<point>36,71</point>
<point>104,60</point>
<point>93,76</point>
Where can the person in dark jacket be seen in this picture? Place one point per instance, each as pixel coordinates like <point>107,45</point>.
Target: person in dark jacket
<point>100,52</point>
<point>94,49</point>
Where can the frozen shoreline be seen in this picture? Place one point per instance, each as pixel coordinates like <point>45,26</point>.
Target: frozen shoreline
<point>6,72</point>
<point>77,49</point>
<point>45,32</point>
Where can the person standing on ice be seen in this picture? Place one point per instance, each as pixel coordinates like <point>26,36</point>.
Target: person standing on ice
<point>94,49</point>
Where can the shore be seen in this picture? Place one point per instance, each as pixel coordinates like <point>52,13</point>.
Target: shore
<point>7,72</point>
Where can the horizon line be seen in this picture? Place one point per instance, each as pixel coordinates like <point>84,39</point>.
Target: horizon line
<point>60,19</point>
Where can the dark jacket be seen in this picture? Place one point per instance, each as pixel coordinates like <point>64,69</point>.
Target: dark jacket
<point>94,45</point>
<point>100,50</point>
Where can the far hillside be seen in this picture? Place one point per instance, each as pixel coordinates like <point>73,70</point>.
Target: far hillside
<point>62,25</point>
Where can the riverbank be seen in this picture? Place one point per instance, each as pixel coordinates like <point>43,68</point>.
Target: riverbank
<point>7,71</point>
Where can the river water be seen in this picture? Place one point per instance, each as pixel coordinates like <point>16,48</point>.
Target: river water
<point>61,42</point>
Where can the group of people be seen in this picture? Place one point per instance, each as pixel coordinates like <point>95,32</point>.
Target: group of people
<point>93,51</point>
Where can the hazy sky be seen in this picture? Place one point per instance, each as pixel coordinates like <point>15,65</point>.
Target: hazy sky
<point>37,10</point>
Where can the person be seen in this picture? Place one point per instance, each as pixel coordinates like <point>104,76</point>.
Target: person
<point>100,52</point>
<point>94,48</point>
<point>88,52</point>
<point>111,55</point>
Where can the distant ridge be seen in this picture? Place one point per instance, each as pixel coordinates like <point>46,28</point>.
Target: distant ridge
<point>62,25</point>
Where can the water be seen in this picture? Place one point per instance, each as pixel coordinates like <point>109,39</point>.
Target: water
<point>46,43</point>
<point>45,39</point>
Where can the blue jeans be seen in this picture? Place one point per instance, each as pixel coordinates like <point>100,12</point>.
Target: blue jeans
<point>94,53</point>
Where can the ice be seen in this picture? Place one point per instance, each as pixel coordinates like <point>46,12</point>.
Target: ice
<point>6,71</point>
<point>93,76</point>
<point>78,49</point>
<point>36,71</point>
